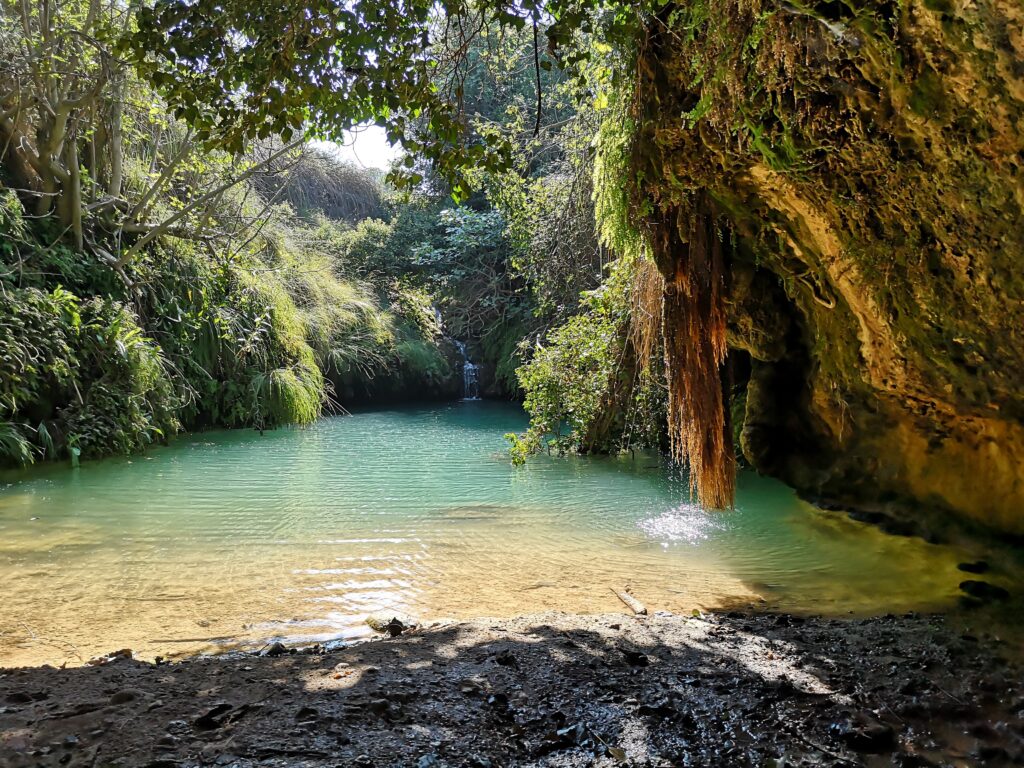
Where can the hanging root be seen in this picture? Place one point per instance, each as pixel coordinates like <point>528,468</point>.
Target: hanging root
<point>689,254</point>
<point>647,295</point>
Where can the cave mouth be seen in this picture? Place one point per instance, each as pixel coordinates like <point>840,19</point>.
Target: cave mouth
<point>771,395</point>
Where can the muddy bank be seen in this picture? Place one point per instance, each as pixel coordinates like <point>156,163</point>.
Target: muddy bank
<point>551,689</point>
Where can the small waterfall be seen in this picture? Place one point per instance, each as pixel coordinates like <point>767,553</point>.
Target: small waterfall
<point>470,384</point>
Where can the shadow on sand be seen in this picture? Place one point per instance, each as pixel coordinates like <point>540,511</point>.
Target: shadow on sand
<point>553,689</point>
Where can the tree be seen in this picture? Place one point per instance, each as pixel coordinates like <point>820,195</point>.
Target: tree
<point>83,140</point>
<point>238,70</point>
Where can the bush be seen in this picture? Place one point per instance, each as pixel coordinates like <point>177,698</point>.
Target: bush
<point>585,389</point>
<point>78,374</point>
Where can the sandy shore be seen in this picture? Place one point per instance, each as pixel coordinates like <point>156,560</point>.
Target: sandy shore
<point>552,689</point>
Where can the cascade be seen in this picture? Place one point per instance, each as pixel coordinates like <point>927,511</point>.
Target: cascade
<point>470,384</point>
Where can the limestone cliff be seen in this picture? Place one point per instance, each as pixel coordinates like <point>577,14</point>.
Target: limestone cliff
<point>861,163</point>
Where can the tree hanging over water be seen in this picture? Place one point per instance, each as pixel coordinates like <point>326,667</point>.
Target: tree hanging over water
<point>238,71</point>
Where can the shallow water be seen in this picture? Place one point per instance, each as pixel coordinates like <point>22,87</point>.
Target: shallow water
<point>231,539</point>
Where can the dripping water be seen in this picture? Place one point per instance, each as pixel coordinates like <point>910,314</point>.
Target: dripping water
<point>470,382</point>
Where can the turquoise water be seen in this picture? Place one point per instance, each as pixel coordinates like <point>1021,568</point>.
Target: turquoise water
<point>234,538</point>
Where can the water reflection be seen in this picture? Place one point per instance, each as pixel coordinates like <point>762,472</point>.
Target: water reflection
<point>237,538</point>
<point>686,523</point>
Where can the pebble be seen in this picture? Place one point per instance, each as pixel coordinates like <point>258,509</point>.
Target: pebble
<point>978,566</point>
<point>277,649</point>
<point>982,590</point>
<point>125,696</point>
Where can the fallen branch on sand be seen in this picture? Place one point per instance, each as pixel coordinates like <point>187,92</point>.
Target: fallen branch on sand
<point>631,602</point>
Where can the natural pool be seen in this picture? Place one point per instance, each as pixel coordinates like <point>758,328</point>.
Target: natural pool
<point>233,538</point>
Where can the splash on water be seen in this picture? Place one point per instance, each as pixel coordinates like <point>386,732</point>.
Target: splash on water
<point>687,523</point>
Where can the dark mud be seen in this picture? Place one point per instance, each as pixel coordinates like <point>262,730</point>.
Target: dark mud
<point>553,690</point>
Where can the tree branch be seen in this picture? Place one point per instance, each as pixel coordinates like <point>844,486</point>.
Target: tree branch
<point>163,227</point>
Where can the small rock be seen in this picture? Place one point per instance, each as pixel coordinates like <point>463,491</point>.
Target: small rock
<point>167,741</point>
<point>428,761</point>
<point>100,661</point>
<point>393,623</point>
<point>982,590</point>
<point>978,566</point>
<point>125,696</point>
<point>379,706</point>
<point>277,649</point>
<point>177,726</point>
<point>471,687</point>
<point>213,717</point>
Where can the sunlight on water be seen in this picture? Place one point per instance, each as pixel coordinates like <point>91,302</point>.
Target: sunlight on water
<point>232,539</point>
<point>687,522</point>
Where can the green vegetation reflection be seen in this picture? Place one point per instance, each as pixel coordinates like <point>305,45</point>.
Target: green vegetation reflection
<point>234,537</point>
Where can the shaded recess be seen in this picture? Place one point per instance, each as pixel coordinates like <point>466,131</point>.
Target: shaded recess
<point>862,166</point>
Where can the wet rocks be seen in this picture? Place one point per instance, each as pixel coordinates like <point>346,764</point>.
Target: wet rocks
<point>276,649</point>
<point>728,689</point>
<point>978,566</point>
<point>983,590</point>
<point>392,623</point>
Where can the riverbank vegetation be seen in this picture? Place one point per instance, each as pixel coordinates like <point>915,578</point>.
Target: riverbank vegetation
<point>614,208</point>
<point>154,281</point>
<point>160,276</point>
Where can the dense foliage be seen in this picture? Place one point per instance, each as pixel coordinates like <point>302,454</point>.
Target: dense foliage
<point>209,269</point>
<point>593,385</point>
<point>239,70</point>
<point>149,283</point>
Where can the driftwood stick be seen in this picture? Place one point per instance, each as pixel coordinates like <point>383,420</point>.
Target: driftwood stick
<point>631,602</point>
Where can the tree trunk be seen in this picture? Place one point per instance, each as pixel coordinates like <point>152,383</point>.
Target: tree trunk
<point>116,147</point>
<point>73,193</point>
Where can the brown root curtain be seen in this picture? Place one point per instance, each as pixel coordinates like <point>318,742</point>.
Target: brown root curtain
<point>688,251</point>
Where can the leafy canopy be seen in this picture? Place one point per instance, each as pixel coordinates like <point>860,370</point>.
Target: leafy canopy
<point>238,70</point>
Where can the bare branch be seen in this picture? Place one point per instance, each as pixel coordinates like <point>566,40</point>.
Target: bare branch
<point>127,255</point>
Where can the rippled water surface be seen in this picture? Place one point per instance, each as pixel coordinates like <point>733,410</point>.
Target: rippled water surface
<point>233,538</point>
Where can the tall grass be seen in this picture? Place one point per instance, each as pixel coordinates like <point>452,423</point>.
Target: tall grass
<point>15,448</point>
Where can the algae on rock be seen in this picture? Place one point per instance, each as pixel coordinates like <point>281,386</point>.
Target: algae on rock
<point>861,164</point>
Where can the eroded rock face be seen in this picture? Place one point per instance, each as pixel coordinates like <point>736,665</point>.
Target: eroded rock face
<point>866,171</point>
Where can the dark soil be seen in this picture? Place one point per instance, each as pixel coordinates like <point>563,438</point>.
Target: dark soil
<point>554,690</point>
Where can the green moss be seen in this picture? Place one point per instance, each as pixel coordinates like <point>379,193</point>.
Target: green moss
<point>864,156</point>
<point>928,97</point>
<point>939,6</point>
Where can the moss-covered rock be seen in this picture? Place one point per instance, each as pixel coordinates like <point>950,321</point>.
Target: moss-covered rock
<point>864,164</point>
